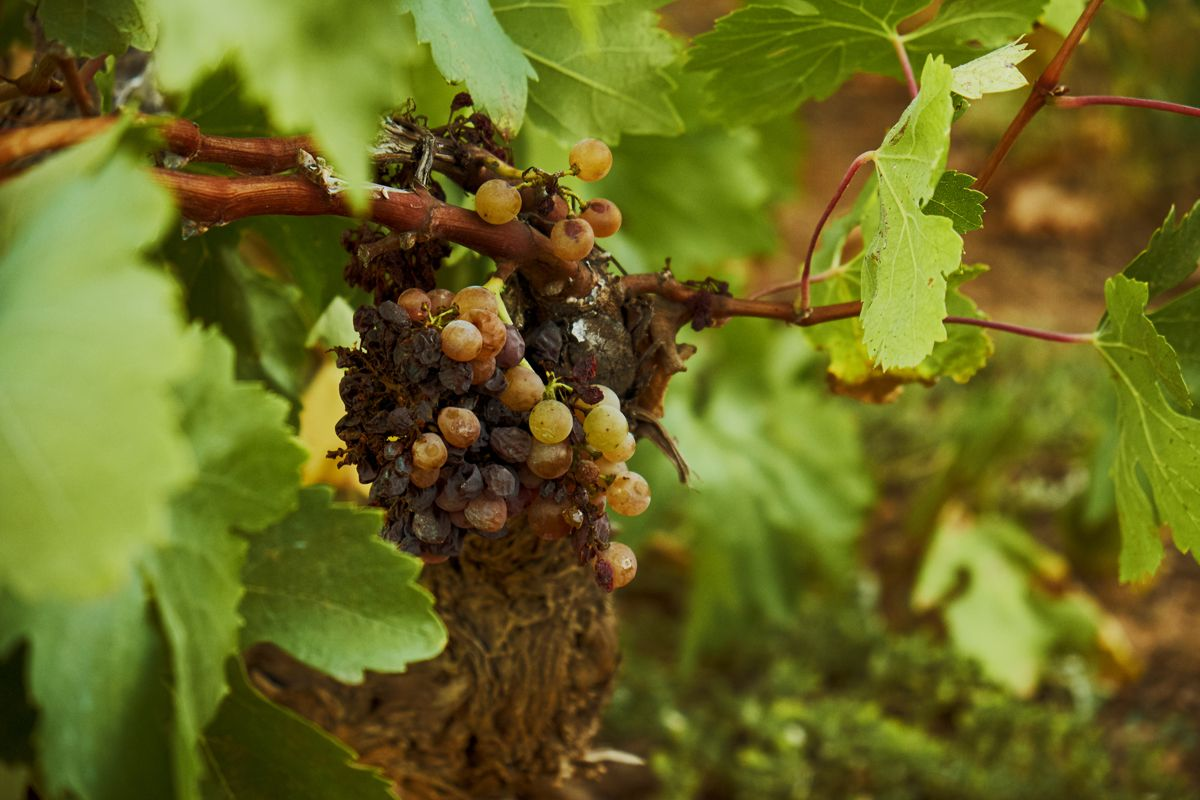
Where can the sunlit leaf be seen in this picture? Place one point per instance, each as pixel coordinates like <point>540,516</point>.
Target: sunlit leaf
<point>907,261</point>
<point>1157,468</point>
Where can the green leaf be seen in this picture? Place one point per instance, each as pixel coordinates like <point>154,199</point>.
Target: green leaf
<point>323,68</point>
<point>469,45</point>
<point>98,674</point>
<point>999,561</point>
<point>768,59</point>
<point>309,250</point>
<point>100,26</point>
<point>324,586</point>
<point>265,318</point>
<point>249,464</point>
<point>90,341</point>
<point>1060,15</point>
<point>1171,255</point>
<point>991,23</point>
<point>611,86</point>
<point>1179,322</point>
<point>20,717</point>
<point>967,347</point>
<point>1157,466</point>
<point>954,199</point>
<point>259,751</point>
<point>907,261</point>
<point>991,73</point>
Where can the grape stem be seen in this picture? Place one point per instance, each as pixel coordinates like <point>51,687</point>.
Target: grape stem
<point>665,285</point>
<point>1080,101</point>
<point>905,65</point>
<point>75,85</point>
<point>1042,90</point>
<point>805,298</point>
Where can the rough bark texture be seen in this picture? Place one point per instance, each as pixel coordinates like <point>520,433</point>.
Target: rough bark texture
<point>509,709</point>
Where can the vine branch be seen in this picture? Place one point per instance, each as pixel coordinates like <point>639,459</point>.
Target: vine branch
<point>862,158</point>
<point>1042,89</point>
<point>905,65</point>
<point>1080,101</point>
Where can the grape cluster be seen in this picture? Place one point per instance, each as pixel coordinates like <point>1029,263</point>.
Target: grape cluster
<point>457,434</point>
<point>572,237</point>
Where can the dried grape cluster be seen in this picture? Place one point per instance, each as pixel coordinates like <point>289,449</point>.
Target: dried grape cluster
<point>457,434</point>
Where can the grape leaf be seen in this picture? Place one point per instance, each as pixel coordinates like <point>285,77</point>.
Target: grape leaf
<point>98,674</point>
<point>907,260</point>
<point>991,73</point>
<point>469,45</point>
<point>257,750</point>
<point>1060,15</point>
<point>954,199</point>
<point>264,317</point>
<point>1171,254</point>
<point>91,346</point>
<point>990,23</point>
<point>324,586</point>
<point>769,59</point>
<point>100,26</point>
<point>1179,322</point>
<point>249,465</point>
<point>310,251</point>
<point>323,68</point>
<point>1157,466</point>
<point>1000,561</point>
<point>612,86</point>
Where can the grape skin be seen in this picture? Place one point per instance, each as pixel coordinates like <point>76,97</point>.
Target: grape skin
<point>550,422</point>
<point>429,451</point>
<point>440,300</point>
<point>490,328</point>
<point>470,298</point>
<point>605,428</point>
<point>623,562</point>
<point>486,514</point>
<point>549,461</point>
<point>524,390</point>
<point>545,518</point>
<point>572,239</point>
<point>497,202</point>
<point>461,340</point>
<point>629,494</point>
<point>590,159</point>
<point>623,451</point>
<point>415,303</point>
<point>604,217</point>
<point>459,426</point>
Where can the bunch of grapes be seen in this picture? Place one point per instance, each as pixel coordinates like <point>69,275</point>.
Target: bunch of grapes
<point>572,237</point>
<point>457,434</point>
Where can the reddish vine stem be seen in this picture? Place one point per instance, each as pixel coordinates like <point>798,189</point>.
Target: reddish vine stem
<point>211,200</point>
<point>79,92</point>
<point>906,65</point>
<point>90,67</point>
<point>1042,89</point>
<point>805,275</point>
<point>261,155</point>
<point>1080,101</point>
<point>1022,330</point>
